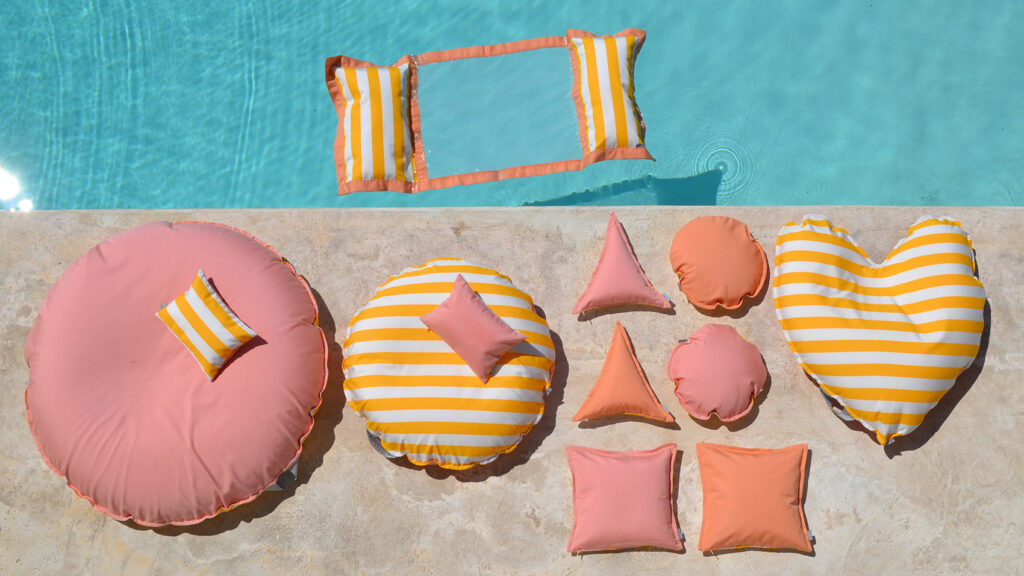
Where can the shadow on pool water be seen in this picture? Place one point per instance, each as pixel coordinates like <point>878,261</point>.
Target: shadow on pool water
<point>699,190</point>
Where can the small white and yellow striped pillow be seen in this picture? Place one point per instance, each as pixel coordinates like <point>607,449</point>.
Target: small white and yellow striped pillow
<point>206,326</point>
<point>375,123</point>
<point>603,83</point>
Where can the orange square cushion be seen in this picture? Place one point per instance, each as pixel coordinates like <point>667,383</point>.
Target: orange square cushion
<point>753,498</point>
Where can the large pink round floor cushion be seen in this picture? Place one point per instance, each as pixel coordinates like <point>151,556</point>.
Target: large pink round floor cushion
<point>119,406</point>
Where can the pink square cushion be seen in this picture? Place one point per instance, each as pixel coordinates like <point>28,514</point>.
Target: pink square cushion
<point>717,371</point>
<point>623,499</point>
<point>472,330</point>
<point>753,498</point>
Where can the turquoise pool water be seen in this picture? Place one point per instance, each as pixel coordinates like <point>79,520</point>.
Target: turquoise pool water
<point>223,104</point>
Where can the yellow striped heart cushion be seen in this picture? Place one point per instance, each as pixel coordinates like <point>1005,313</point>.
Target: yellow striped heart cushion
<point>418,397</point>
<point>885,341</point>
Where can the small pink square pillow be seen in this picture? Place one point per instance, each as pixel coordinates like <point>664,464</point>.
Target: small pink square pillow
<point>623,499</point>
<point>472,330</point>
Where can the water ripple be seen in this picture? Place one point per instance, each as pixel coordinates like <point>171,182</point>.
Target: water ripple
<point>730,158</point>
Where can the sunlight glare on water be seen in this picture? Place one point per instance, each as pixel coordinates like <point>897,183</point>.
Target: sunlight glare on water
<point>9,185</point>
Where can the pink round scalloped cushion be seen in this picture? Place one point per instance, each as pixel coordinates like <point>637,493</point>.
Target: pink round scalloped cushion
<point>119,406</point>
<point>718,262</point>
<point>717,371</point>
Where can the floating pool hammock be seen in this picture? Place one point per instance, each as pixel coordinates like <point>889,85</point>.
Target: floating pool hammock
<point>380,134</point>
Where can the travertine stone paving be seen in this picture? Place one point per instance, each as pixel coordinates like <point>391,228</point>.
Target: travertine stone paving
<point>950,502</point>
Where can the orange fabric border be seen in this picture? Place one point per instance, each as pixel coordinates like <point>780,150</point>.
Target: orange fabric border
<point>421,179</point>
<point>533,169</point>
<point>419,157</point>
<point>490,50</point>
<point>640,152</point>
<point>502,174</point>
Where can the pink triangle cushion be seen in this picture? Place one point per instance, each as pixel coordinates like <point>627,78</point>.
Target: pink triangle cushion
<point>472,330</point>
<point>618,279</point>
<point>622,388</point>
<point>716,371</point>
<point>118,406</point>
<point>718,262</point>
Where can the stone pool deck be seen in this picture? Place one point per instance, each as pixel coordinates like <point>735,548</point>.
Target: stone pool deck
<point>950,500</point>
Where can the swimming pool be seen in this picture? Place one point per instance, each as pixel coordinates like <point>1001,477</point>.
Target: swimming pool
<point>207,104</point>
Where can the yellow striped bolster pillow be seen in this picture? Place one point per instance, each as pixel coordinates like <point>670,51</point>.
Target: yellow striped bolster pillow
<point>603,89</point>
<point>374,131</point>
<point>885,341</point>
<point>205,325</point>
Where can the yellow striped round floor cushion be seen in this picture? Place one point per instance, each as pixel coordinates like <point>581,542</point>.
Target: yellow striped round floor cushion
<point>885,341</point>
<point>418,396</point>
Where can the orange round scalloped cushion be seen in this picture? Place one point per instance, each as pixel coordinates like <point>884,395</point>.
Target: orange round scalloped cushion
<point>718,262</point>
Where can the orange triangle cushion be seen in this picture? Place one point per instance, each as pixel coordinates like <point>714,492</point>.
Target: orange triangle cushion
<point>622,387</point>
<point>472,330</point>
<point>618,279</point>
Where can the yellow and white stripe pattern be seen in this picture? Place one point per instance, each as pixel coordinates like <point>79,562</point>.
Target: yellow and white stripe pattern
<point>378,145</point>
<point>205,325</point>
<point>418,396</point>
<point>885,341</point>
<point>605,84</point>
